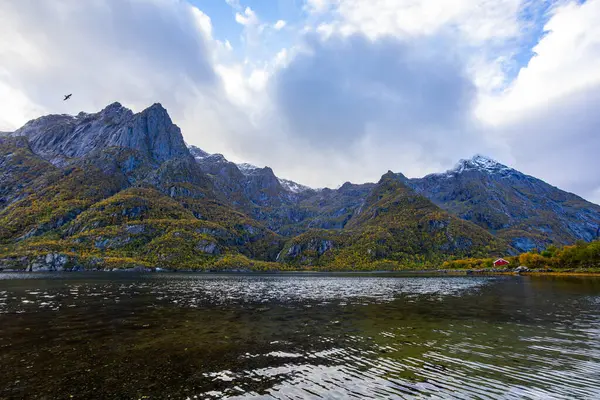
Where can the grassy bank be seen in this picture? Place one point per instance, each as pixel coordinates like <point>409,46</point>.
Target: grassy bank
<point>579,259</point>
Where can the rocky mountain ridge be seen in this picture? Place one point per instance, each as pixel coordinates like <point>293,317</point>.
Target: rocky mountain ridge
<point>526,211</point>
<point>123,188</point>
<point>58,138</point>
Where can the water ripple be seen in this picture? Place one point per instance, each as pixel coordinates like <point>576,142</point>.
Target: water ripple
<point>298,337</point>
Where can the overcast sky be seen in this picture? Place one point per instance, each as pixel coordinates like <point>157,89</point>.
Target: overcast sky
<point>327,91</point>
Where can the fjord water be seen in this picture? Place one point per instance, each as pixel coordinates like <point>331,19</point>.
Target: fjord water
<point>123,335</point>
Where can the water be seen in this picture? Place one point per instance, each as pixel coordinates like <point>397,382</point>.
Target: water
<point>180,336</point>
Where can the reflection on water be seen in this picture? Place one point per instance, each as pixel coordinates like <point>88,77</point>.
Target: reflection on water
<point>297,336</point>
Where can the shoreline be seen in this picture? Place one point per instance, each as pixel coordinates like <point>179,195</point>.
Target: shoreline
<point>437,272</point>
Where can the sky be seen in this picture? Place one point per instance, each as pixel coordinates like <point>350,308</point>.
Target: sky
<point>327,91</point>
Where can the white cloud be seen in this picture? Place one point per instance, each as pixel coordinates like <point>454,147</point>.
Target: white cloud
<point>567,60</point>
<point>253,28</point>
<point>235,4</point>
<point>476,20</point>
<point>279,25</point>
<point>548,116</point>
<point>16,107</point>
<point>103,52</point>
<point>203,22</point>
<point>318,6</point>
<point>367,86</point>
<point>248,18</point>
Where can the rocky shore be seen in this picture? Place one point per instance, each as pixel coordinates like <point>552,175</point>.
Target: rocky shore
<point>59,262</point>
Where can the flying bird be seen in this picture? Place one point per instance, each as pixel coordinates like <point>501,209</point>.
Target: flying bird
<point>67,97</point>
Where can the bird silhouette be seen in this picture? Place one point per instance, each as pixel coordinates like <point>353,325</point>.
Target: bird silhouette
<point>67,97</point>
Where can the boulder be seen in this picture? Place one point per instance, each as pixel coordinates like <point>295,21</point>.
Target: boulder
<point>49,262</point>
<point>207,247</point>
<point>520,269</point>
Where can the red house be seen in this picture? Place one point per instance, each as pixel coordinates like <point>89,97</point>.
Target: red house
<point>500,262</point>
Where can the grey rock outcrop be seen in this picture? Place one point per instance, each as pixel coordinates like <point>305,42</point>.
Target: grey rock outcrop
<point>49,262</point>
<point>60,138</point>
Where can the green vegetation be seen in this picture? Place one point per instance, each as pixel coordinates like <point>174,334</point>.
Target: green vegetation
<point>143,227</point>
<point>119,208</point>
<point>89,218</point>
<point>397,229</point>
<point>582,257</point>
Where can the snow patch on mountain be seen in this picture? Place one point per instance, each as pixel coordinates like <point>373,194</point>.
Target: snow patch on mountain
<point>197,152</point>
<point>246,168</point>
<point>476,163</point>
<point>292,186</point>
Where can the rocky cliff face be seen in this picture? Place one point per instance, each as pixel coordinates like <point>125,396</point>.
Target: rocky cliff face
<point>252,190</point>
<point>522,209</point>
<point>60,138</point>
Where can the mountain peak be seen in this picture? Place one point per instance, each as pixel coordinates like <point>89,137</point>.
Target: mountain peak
<point>389,176</point>
<point>292,186</point>
<point>247,168</point>
<point>60,138</point>
<point>113,106</point>
<point>479,163</point>
<point>114,111</point>
<point>157,107</point>
<point>483,161</point>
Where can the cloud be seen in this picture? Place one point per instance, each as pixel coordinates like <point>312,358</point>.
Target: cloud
<point>363,87</point>
<point>279,25</point>
<point>317,6</point>
<point>475,20</point>
<point>253,28</point>
<point>548,115</point>
<point>358,107</point>
<point>344,84</point>
<point>247,18</point>
<point>566,60</point>
<point>235,4</point>
<point>104,51</point>
<point>559,142</point>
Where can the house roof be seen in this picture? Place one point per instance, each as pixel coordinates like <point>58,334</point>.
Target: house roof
<point>501,259</point>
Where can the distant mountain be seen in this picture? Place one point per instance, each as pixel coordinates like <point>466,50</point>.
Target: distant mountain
<point>524,210</point>
<point>252,190</point>
<point>290,186</point>
<point>393,226</point>
<point>117,188</point>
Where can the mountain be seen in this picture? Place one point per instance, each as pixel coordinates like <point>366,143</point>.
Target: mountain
<point>394,226</point>
<point>288,185</point>
<point>58,138</point>
<point>254,191</point>
<point>526,211</point>
<point>118,188</point>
